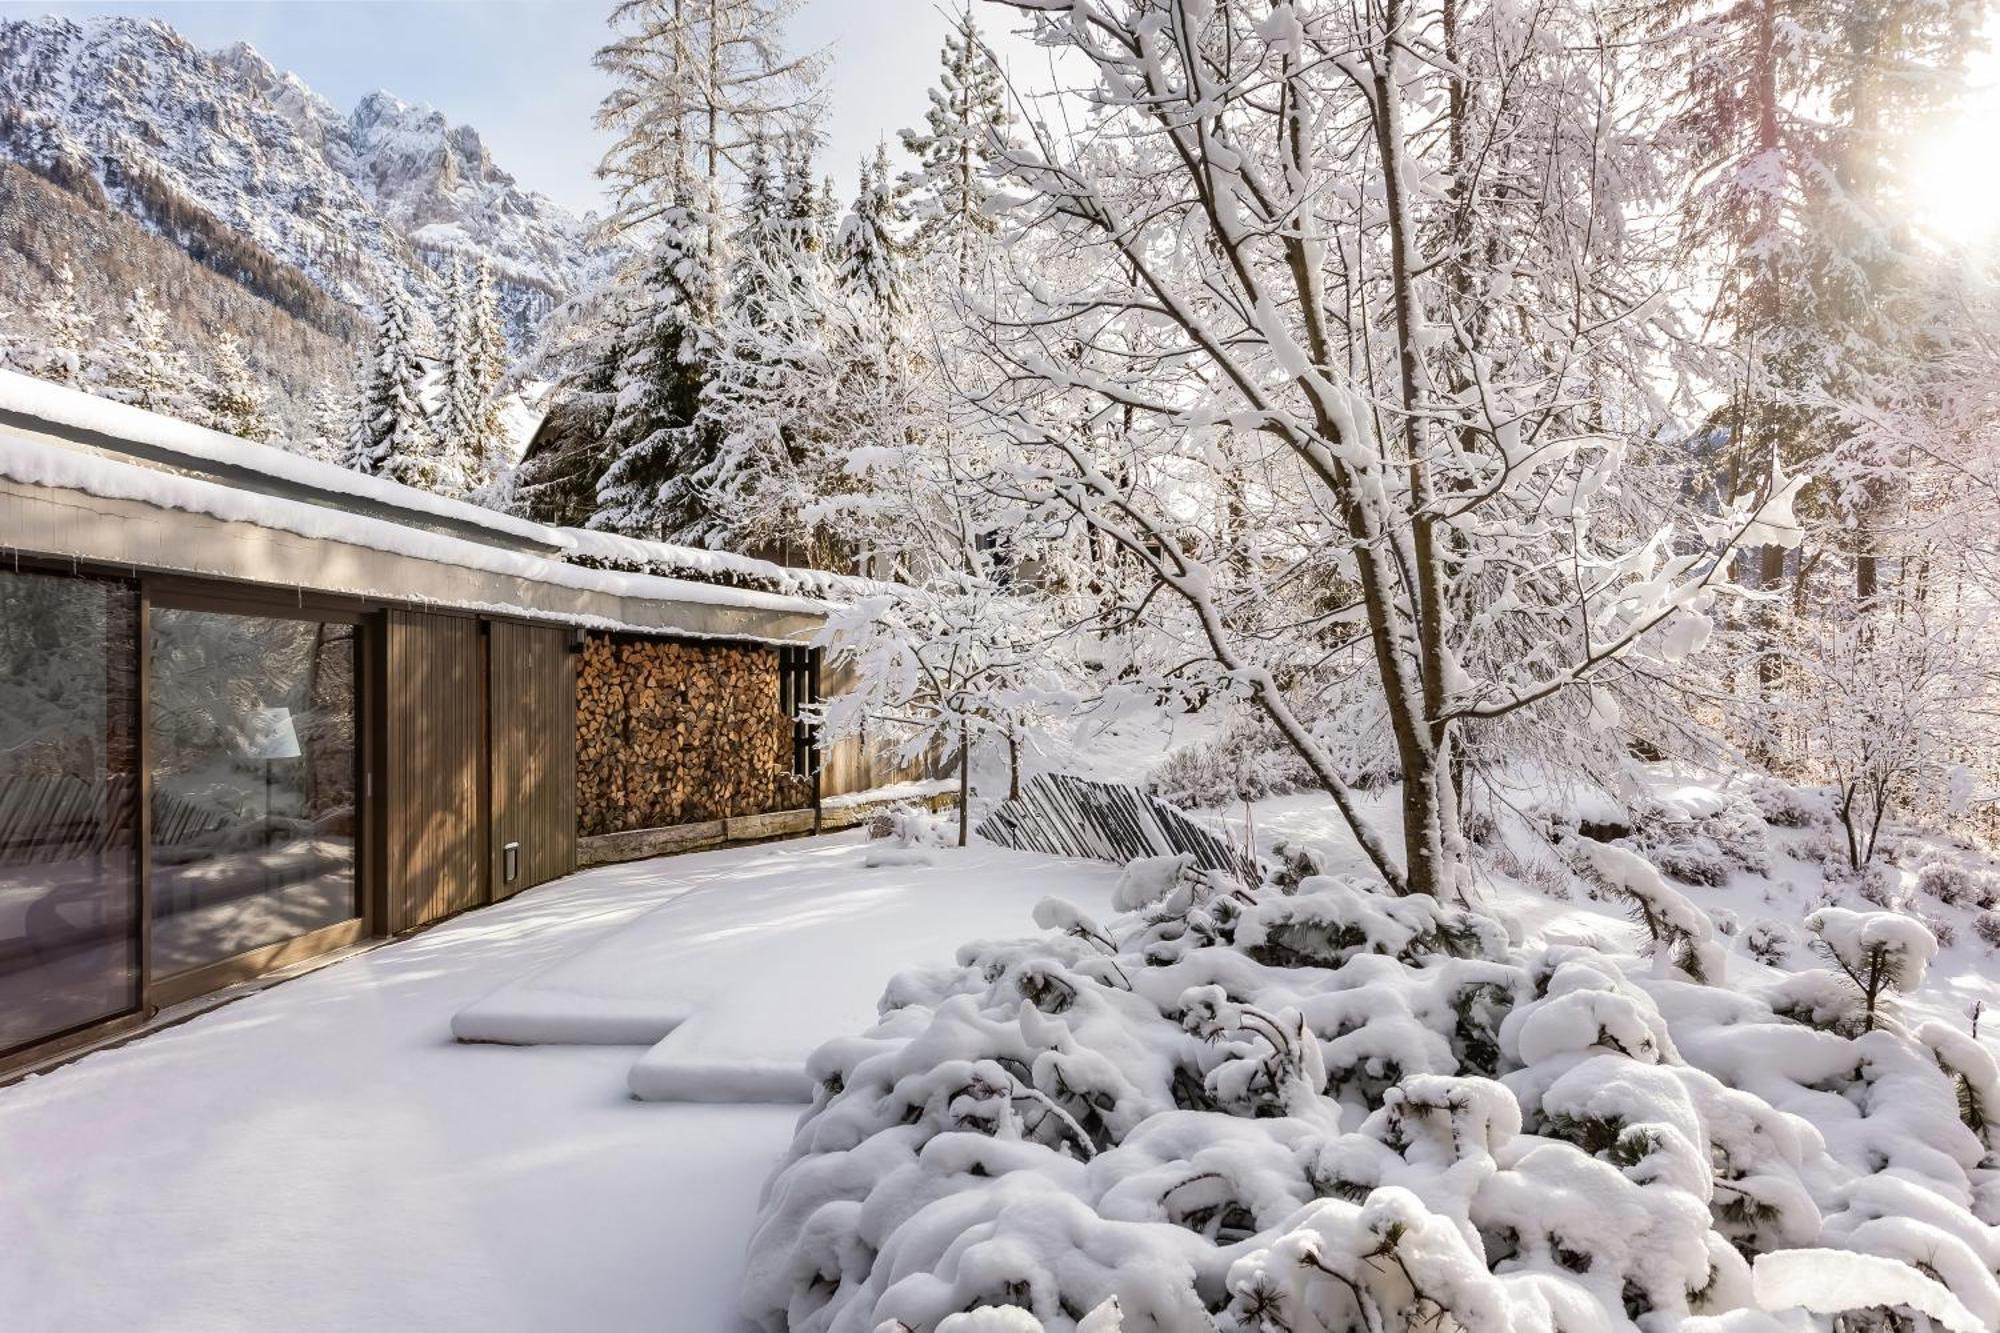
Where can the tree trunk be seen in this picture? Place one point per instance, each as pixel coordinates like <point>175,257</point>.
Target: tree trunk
<point>964,782</point>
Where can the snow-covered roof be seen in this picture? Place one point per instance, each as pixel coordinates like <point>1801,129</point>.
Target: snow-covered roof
<point>116,428</point>
<point>610,548</point>
<point>248,505</point>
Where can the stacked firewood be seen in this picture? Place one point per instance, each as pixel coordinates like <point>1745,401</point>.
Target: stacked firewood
<point>679,733</point>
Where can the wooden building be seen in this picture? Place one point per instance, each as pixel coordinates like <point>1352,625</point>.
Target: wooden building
<point>255,709</point>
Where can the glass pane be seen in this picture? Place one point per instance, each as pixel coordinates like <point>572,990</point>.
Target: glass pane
<point>68,803</point>
<point>253,783</point>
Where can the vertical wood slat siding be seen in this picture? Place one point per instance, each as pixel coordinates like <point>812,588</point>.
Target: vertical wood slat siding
<point>532,686</point>
<point>435,768</point>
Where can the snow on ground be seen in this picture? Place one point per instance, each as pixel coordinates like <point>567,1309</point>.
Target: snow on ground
<point>676,975</point>
<point>323,1155</point>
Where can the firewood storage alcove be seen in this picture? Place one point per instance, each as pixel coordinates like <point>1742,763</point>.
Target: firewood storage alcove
<point>686,732</point>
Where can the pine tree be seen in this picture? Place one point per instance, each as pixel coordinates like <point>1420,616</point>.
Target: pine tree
<point>486,341</point>
<point>768,403</point>
<point>330,424</point>
<point>144,367</point>
<point>968,112</point>
<point>458,392</point>
<point>869,257</point>
<point>66,327</point>
<point>654,441</point>
<point>236,403</point>
<point>394,437</point>
<point>697,83</point>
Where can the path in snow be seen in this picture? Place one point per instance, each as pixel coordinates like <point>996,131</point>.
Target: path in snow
<point>324,1155</point>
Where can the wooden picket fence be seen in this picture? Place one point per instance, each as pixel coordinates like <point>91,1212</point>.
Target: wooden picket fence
<point>1106,821</point>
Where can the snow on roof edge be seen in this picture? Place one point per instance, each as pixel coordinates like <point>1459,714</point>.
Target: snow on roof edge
<point>615,548</point>
<point>76,410</point>
<point>33,462</point>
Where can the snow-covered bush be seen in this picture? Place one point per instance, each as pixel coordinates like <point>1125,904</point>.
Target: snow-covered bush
<point>1876,954</point>
<point>1702,848</point>
<point>1678,934</point>
<point>1950,880</point>
<point>905,835</point>
<point>1256,1111</point>
<point>1246,760</point>
<point>1987,927</point>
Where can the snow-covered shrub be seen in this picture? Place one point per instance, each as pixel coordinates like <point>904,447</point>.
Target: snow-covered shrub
<point>1703,848</point>
<point>1987,927</point>
<point>905,835</point>
<point>1770,942</point>
<point>1678,933</point>
<point>1950,880</point>
<point>1783,805</point>
<point>1246,760</point>
<point>1875,955</point>
<point>1250,1111</point>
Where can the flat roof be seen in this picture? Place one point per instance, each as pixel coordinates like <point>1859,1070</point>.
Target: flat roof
<point>174,498</point>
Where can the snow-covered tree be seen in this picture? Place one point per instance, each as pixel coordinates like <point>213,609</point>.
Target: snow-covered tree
<point>967,120</point>
<point>469,426</point>
<point>66,331</point>
<point>698,83</point>
<point>1252,291</point>
<point>330,424</point>
<point>654,442</point>
<point>766,404</point>
<point>940,668</point>
<point>236,403</point>
<point>145,366</point>
<point>393,435</point>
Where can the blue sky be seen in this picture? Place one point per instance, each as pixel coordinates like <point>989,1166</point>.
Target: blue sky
<point>519,70</point>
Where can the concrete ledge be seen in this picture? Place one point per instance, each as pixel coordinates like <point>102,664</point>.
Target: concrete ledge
<point>853,813</point>
<point>777,824</point>
<point>639,844</point>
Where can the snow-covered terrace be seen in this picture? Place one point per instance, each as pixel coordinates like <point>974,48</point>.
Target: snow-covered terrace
<point>110,485</point>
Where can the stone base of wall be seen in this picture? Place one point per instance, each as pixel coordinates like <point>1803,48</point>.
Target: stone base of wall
<point>639,844</point>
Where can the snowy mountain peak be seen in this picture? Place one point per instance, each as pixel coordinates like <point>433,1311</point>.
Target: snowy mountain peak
<point>224,152</point>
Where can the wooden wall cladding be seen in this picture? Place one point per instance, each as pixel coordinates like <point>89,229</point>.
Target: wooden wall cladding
<point>531,677</point>
<point>671,732</point>
<point>435,768</point>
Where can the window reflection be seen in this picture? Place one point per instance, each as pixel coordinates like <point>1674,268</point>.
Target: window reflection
<point>68,805</point>
<point>253,732</point>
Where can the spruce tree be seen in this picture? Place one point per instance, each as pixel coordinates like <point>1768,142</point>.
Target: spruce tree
<point>394,437</point>
<point>458,388</point>
<point>968,112</point>
<point>696,83</point>
<point>66,327</point>
<point>486,343</point>
<point>654,441</point>
<point>768,404</point>
<point>330,424</point>
<point>236,402</point>
<point>145,367</point>
<point>869,259</point>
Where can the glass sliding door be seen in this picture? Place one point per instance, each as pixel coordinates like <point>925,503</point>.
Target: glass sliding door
<point>68,805</point>
<point>253,728</point>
